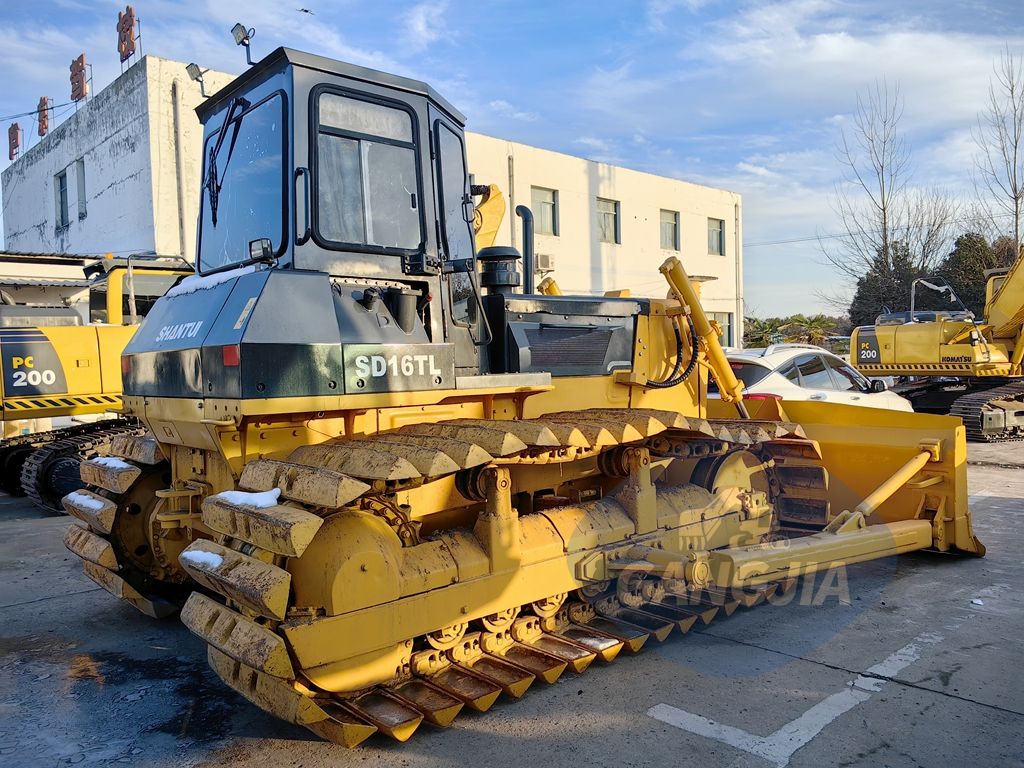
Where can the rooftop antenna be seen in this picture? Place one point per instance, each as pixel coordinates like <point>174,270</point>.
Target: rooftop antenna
<point>243,37</point>
<point>196,73</point>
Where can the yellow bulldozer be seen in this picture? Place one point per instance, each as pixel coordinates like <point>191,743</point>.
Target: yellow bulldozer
<point>63,361</point>
<point>389,484</point>
<point>952,362</point>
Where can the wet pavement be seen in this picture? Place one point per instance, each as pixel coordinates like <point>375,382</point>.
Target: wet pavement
<point>87,681</point>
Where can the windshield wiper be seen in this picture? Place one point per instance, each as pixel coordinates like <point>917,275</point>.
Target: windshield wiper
<point>213,184</point>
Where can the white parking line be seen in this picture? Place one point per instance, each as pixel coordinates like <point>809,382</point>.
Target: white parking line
<point>780,746</point>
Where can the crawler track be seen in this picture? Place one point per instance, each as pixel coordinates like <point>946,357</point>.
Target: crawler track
<point>255,577</point>
<point>971,408</point>
<point>51,470</point>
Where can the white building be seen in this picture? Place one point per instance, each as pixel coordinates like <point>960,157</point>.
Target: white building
<point>122,175</point>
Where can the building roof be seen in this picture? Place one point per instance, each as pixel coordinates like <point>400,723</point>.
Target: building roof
<point>43,282</point>
<point>67,259</point>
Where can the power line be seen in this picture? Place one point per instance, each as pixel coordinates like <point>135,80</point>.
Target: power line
<point>34,111</point>
<point>846,234</point>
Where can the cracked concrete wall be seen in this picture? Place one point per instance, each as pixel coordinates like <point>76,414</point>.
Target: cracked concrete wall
<point>109,136</point>
<point>125,138</point>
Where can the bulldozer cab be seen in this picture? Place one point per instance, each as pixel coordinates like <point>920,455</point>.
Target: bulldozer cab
<point>316,165</point>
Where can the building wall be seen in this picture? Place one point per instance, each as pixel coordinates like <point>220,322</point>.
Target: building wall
<point>126,138</point>
<point>107,138</point>
<point>584,264</point>
<point>176,152</point>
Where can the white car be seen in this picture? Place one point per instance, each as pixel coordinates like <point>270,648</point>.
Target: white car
<point>806,372</point>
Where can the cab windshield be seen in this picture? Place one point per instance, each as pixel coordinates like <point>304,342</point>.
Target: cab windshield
<point>243,184</point>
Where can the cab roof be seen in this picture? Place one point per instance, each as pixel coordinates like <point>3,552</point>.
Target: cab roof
<point>284,56</point>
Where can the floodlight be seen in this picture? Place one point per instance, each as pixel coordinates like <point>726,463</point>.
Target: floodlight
<point>195,72</point>
<point>243,36</point>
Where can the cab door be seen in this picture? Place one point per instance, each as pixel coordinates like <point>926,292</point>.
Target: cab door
<point>464,320</point>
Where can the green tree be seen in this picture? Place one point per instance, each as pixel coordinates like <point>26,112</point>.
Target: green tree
<point>760,332</point>
<point>886,286</point>
<point>965,267</point>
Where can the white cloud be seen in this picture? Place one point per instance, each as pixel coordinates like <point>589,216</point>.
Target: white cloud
<point>504,109</point>
<point>424,25</point>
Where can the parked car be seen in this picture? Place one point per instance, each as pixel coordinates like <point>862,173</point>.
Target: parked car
<point>807,372</point>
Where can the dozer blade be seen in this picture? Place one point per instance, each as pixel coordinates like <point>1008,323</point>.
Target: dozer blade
<point>545,666</point>
<point>282,700</point>
<point>110,473</point>
<point>476,692</point>
<point>437,705</point>
<point>315,486</point>
<point>92,509</point>
<point>684,621</point>
<point>259,586</point>
<point>121,589</point>
<point>284,530</point>
<point>240,638</point>
<point>91,547</point>
<point>389,713</point>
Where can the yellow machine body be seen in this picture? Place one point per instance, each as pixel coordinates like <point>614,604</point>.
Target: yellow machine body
<point>387,489</point>
<point>429,550</point>
<point>50,371</point>
<point>954,363</point>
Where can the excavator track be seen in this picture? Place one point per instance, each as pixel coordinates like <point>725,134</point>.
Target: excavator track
<point>471,663</point>
<point>16,451</point>
<point>51,471</point>
<point>971,407</point>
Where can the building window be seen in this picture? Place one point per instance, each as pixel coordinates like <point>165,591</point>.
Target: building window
<point>670,230</point>
<point>60,188</point>
<point>724,319</point>
<point>544,203</point>
<point>608,221</point>
<point>716,237</point>
<point>80,178</point>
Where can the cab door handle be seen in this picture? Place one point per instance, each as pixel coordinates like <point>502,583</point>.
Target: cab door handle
<point>817,397</point>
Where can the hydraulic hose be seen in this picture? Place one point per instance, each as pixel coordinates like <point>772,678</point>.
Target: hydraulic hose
<point>675,378</point>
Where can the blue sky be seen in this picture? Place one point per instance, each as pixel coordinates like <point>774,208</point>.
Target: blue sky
<point>750,96</point>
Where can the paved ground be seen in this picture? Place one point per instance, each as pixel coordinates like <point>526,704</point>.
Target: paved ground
<point>86,681</point>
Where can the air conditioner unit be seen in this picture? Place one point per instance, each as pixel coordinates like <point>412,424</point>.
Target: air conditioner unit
<point>545,262</point>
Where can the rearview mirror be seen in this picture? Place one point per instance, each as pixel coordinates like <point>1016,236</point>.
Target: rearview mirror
<point>261,250</point>
<point>877,385</point>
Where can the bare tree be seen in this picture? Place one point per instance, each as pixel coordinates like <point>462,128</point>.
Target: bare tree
<point>999,136</point>
<point>875,203</point>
